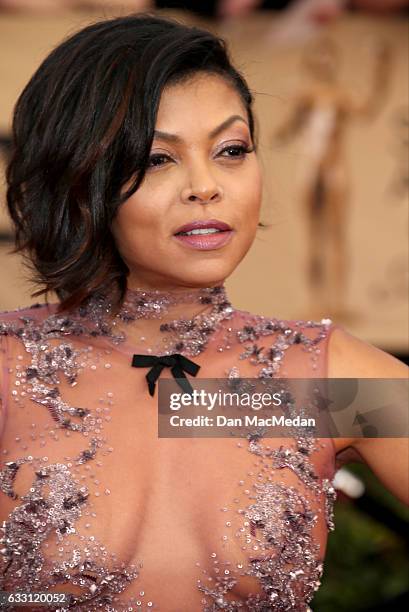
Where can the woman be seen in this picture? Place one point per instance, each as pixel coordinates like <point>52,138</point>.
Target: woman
<point>135,191</point>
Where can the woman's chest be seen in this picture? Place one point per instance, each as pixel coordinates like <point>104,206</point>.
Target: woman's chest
<point>186,522</point>
<point>96,504</point>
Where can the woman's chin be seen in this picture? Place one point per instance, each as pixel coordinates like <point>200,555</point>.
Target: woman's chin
<point>203,278</point>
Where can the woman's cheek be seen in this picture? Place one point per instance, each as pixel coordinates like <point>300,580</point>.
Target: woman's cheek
<point>250,209</point>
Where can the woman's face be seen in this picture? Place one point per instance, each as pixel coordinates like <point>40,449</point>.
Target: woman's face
<point>202,170</point>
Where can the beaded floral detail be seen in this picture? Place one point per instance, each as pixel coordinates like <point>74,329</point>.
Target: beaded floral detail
<point>279,518</point>
<point>276,521</point>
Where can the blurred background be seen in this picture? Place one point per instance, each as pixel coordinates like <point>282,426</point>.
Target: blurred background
<point>331,87</point>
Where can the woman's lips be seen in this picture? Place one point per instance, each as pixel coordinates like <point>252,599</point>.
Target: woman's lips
<point>206,242</point>
<point>214,234</point>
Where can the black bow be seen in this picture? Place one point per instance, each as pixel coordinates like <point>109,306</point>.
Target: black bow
<point>176,362</point>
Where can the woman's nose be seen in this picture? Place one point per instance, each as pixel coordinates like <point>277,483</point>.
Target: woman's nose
<point>203,196</point>
<point>201,187</point>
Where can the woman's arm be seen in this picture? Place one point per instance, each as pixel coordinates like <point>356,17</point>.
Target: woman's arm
<point>2,413</point>
<point>388,458</point>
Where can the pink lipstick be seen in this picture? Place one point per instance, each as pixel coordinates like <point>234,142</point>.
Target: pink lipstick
<point>204,235</point>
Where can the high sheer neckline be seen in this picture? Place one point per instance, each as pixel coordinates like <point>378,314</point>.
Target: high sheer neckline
<point>155,303</point>
<point>155,321</point>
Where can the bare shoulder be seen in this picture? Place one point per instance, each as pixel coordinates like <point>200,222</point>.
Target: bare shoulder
<point>351,357</point>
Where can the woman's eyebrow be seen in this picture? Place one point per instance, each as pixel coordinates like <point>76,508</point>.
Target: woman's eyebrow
<point>212,134</point>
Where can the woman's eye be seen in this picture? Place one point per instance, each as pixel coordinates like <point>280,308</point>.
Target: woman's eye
<point>234,151</point>
<point>158,160</point>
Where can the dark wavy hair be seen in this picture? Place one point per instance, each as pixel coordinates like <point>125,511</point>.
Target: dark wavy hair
<point>83,128</point>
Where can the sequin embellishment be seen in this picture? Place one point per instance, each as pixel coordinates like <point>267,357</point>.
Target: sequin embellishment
<point>40,545</point>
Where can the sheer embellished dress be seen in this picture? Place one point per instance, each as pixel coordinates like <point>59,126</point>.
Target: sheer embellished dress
<point>94,504</point>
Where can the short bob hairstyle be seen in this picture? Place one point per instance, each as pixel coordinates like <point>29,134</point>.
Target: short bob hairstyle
<point>82,129</point>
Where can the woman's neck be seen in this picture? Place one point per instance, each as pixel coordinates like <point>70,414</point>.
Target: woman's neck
<point>158,318</point>
<point>169,304</point>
